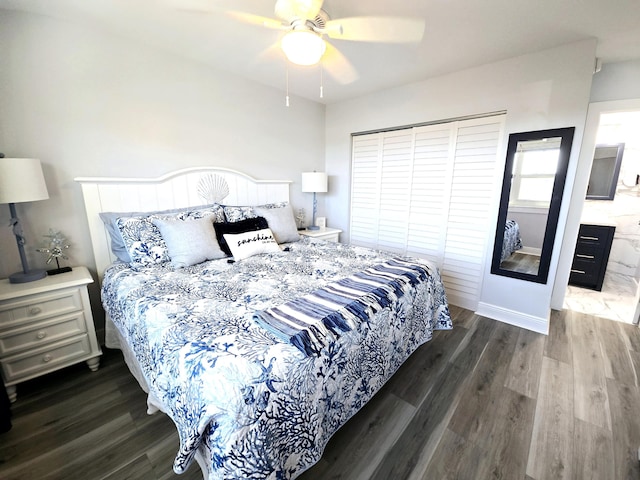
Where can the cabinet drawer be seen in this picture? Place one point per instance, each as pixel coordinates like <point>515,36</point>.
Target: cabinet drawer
<point>584,273</point>
<point>329,237</point>
<point>596,235</point>
<point>40,306</point>
<point>332,237</point>
<point>40,333</point>
<point>589,253</point>
<point>45,359</point>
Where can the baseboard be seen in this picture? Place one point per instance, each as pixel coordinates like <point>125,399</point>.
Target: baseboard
<point>530,251</point>
<point>535,324</point>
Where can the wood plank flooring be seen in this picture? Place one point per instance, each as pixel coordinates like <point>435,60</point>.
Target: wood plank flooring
<point>522,262</point>
<point>485,400</point>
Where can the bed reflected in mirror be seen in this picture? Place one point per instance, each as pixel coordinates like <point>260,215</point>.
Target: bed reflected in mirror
<point>533,183</point>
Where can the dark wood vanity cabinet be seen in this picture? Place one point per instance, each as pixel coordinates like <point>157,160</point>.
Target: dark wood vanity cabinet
<point>591,256</point>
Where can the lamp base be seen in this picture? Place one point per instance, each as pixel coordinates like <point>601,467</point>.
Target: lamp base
<point>56,271</point>
<point>25,277</point>
<point>313,227</point>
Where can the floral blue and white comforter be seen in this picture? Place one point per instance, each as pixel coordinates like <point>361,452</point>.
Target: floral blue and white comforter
<point>254,406</point>
<point>512,241</point>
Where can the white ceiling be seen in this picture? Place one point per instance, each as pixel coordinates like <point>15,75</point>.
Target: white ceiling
<point>459,34</point>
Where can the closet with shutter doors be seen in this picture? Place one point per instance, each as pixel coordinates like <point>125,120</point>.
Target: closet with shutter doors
<point>428,191</point>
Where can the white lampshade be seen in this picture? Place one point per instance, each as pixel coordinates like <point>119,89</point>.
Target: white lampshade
<point>21,180</point>
<point>303,47</point>
<point>314,182</point>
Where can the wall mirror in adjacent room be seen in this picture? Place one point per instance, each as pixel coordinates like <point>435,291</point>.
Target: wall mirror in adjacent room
<point>605,169</point>
<point>532,188</point>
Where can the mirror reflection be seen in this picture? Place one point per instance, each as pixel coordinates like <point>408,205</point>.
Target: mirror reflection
<point>532,189</point>
<point>532,177</point>
<point>604,172</point>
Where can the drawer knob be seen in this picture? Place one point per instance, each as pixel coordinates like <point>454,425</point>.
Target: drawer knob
<point>35,310</point>
<point>582,272</point>
<point>584,237</point>
<point>46,358</point>
<point>584,256</point>
<point>41,334</point>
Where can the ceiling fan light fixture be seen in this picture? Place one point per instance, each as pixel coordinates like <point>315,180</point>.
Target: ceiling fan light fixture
<point>303,47</point>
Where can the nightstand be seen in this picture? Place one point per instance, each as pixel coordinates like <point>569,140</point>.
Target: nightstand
<point>328,234</point>
<point>46,325</point>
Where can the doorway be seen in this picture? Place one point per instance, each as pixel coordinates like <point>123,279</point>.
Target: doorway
<point>620,294</point>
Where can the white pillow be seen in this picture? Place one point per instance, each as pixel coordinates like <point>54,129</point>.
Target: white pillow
<point>247,244</point>
<point>281,222</point>
<point>189,241</point>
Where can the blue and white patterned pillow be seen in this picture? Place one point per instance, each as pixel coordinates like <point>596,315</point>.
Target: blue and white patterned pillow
<point>143,240</point>
<point>237,213</point>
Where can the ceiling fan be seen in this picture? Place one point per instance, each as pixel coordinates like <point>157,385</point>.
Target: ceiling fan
<point>306,25</point>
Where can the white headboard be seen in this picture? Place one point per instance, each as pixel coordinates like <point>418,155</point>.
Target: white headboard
<point>174,190</point>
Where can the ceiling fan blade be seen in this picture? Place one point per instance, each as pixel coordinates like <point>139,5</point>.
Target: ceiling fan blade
<point>257,20</point>
<point>337,65</point>
<point>289,10</point>
<point>376,29</point>
<point>270,54</point>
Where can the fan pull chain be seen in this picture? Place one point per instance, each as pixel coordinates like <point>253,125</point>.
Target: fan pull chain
<point>321,81</point>
<point>287,76</point>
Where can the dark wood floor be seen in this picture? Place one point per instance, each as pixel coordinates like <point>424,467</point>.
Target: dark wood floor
<point>483,401</point>
<point>522,262</point>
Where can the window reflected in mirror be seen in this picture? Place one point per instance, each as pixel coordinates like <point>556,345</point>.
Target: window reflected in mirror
<point>533,183</point>
<point>534,171</point>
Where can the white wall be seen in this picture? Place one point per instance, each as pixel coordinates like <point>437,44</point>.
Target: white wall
<point>541,90</point>
<point>88,103</point>
<point>616,81</point>
<point>532,222</point>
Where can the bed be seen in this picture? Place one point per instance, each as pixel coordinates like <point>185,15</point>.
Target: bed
<point>512,241</point>
<point>250,398</point>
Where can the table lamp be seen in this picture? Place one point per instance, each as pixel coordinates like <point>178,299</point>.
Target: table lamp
<point>315,182</point>
<point>21,180</point>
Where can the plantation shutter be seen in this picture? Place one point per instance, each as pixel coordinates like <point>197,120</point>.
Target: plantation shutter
<point>427,192</point>
<point>395,190</point>
<point>468,229</point>
<point>430,191</point>
<point>381,189</point>
<point>366,172</point>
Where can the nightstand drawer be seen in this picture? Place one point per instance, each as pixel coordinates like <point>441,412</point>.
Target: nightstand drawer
<point>333,237</point>
<point>35,307</point>
<point>39,333</point>
<point>327,234</point>
<point>45,359</point>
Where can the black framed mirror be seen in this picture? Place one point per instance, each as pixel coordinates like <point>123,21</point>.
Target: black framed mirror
<point>532,186</point>
<point>605,169</point>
